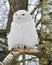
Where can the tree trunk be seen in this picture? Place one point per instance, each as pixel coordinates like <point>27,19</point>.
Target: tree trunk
<point>46,31</point>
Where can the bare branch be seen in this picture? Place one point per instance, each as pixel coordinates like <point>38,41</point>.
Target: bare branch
<point>35,8</point>
<point>15,53</point>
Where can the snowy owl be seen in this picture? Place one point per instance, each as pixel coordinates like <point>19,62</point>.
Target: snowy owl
<point>23,31</point>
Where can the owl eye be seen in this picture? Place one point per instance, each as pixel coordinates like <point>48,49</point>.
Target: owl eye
<point>16,14</point>
<point>23,14</point>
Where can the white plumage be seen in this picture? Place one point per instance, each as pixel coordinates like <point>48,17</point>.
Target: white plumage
<point>23,31</point>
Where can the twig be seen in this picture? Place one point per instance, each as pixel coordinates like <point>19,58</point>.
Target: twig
<point>35,8</point>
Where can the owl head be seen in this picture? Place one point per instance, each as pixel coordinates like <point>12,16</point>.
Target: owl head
<point>22,16</point>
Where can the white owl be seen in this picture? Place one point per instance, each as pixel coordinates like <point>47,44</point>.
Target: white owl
<point>23,31</point>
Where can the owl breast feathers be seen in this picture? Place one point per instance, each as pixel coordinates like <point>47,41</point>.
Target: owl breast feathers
<point>23,31</point>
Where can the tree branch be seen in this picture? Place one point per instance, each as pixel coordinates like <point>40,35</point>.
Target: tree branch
<point>15,53</point>
<point>35,8</point>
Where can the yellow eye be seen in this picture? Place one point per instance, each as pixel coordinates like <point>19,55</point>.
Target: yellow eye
<point>16,14</point>
<point>23,14</point>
